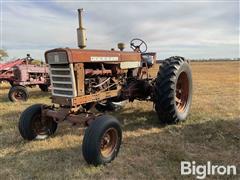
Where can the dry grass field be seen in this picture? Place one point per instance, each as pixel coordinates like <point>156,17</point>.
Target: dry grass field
<point>149,150</point>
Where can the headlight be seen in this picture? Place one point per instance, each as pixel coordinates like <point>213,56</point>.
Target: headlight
<point>57,57</point>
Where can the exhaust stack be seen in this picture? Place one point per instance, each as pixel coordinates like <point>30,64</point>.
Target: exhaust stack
<point>81,31</point>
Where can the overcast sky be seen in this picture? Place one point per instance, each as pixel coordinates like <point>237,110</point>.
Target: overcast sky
<point>206,29</point>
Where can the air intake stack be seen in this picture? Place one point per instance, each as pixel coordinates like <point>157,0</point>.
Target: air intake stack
<point>81,31</point>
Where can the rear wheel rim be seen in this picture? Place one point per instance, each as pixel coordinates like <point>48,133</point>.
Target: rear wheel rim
<point>109,142</point>
<point>182,92</point>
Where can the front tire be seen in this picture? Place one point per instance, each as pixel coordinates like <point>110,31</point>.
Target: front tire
<point>18,93</point>
<point>30,124</point>
<point>102,140</point>
<point>173,90</point>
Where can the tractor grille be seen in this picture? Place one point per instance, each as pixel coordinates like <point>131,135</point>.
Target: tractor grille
<point>62,80</point>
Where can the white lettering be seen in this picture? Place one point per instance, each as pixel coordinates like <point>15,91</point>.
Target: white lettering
<point>96,58</point>
<point>193,168</point>
<point>208,168</point>
<point>221,170</point>
<point>185,168</point>
<point>201,171</point>
<point>234,170</point>
<point>213,169</point>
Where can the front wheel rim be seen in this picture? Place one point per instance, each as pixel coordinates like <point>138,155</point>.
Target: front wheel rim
<point>109,142</point>
<point>39,128</point>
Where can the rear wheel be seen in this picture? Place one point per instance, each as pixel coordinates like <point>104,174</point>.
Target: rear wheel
<point>18,93</point>
<point>173,90</point>
<point>102,140</point>
<point>31,125</point>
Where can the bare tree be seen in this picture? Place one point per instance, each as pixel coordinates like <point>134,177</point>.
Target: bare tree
<point>3,53</point>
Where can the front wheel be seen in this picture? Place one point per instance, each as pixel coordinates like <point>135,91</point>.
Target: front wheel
<point>102,140</point>
<point>18,93</point>
<point>31,125</point>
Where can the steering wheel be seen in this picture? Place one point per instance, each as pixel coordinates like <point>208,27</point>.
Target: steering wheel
<point>140,47</point>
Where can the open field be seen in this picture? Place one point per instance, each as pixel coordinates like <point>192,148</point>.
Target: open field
<point>149,150</point>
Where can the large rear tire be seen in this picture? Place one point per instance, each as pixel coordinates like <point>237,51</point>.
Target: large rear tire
<point>173,90</point>
<point>18,93</point>
<point>30,124</point>
<point>102,140</point>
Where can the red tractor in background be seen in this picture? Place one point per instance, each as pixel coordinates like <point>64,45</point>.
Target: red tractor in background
<point>21,74</point>
<point>6,70</point>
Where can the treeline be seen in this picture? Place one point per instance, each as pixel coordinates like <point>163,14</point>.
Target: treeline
<point>219,59</point>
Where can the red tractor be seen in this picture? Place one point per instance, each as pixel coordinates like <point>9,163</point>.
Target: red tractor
<point>22,74</point>
<point>84,79</point>
<point>6,70</point>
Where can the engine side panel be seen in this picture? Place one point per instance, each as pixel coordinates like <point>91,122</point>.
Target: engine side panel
<point>82,55</point>
<point>83,76</point>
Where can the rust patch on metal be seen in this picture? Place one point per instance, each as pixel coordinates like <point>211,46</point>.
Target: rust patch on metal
<point>68,114</point>
<point>94,97</point>
<point>80,74</point>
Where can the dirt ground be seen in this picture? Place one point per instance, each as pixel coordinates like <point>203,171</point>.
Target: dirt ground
<point>149,150</point>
